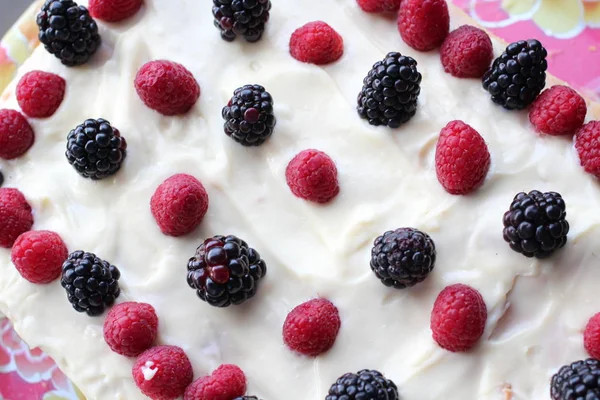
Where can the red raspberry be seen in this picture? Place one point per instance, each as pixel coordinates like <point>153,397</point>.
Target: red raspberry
<point>179,205</point>
<point>40,93</point>
<point>130,328</point>
<point>423,24</point>
<point>312,175</point>
<point>591,336</point>
<point>16,135</point>
<point>226,383</point>
<point>374,6</point>
<point>467,52</point>
<point>15,216</point>
<point>163,372</point>
<point>312,327</point>
<point>39,256</point>
<point>458,318</point>
<point>167,87</point>
<point>316,43</point>
<point>587,143</point>
<point>114,10</point>
<point>462,159</point>
<point>558,111</point>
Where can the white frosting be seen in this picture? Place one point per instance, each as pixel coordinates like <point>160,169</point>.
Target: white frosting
<point>148,371</point>
<point>537,309</point>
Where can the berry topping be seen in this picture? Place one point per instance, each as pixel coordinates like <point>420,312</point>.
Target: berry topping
<point>16,135</point>
<point>591,337</point>
<point>462,159</point>
<point>558,111</point>
<point>68,31</point>
<point>163,372</point>
<point>577,381</point>
<point>92,284</point>
<point>96,149</point>
<point>535,224</point>
<point>179,205</point>
<point>390,91</point>
<point>225,383</point>
<point>130,328</point>
<point>316,43</point>
<point>423,24</point>
<point>249,118</point>
<point>114,10</point>
<point>403,258</point>
<point>587,143</point>
<point>247,398</point>
<point>312,327</point>
<point>375,6</point>
<point>1,178</point>
<point>15,216</point>
<point>39,256</point>
<point>364,385</point>
<point>167,87</point>
<point>40,93</point>
<point>225,271</point>
<point>312,175</point>
<point>518,76</point>
<point>467,52</point>
<point>246,18</point>
<point>458,318</point>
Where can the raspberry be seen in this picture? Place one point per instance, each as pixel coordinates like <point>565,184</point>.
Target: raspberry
<point>114,10</point>
<point>423,24</point>
<point>587,143</point>
<point>467,52</point>
<point>458,317</point>
<point>558,111</point>
<point>16,135</point>
<point>15,216</point>
<point>226,383</point>
<point>167,87</point>
<point>39,256</point>
<point>40,93</point>
<point>591,336</point>
<point>462,159</point>
<point>374,6</point>
<point>312,327</point>
<point>312,175</point>
<point>316,43</point>
<point>162,372</point>
<point>130,328</point>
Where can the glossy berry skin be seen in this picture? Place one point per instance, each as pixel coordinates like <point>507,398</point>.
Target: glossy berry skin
<point>364,385</point>
<point>15,216</point>
<point>1,178</point>
<point>226,382</point>
<point>40,93</point>
<point>39,256</point>
<point>16,135</point>
<point>587,143</point>
<point>171,372</point>
<point>247,398</point>
<point>316,43</point>
<point>312,175</point>
<point>579,380</point>
<point>376,6</point>
<point>130,328</point>
<point>558,111</point>
<point>114,10</point>
<point>245,18</point>
<point>467,52</point>
<point>423,24</point>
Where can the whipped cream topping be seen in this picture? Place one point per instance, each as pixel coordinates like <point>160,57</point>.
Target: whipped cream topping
<point>148,371</point>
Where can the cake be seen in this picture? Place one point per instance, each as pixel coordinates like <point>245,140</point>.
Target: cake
<point>531,312</point>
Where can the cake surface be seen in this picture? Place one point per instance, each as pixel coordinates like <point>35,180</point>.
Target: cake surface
<point>536,309</point>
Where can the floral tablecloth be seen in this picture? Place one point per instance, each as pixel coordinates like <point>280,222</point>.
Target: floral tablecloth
<point>569,29</point>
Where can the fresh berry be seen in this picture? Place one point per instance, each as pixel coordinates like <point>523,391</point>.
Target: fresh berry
<point>245,18</point>
<point>316,43</point>
<point>591,336</point>
<point>68,31</point>
<point>130,328</point>
<point>114,10</point>
<point>16,135</point>
<point>375,6</point>
<point>458,318</point>
<point>15,216</point>
<point>247,398</point>
<point>518,76</point>
<point>312,175</point>
<point>558,111</point>
<point>39,256</point>
<point>423,24</point>
<point>390,91</point>
<point>225,383</point>
<point>1,178</point>
<point>167,87</point>
<point>577,381</point>
<point>40,93</point>
<point>587,143</point>
<point>462,159</point>
<point>403,258</point>
<point>467,52</point>
<point>535,224</point>
<point>92,284</point>
<point>225,271</point>
<point>163,372</point>
<point>179,205</point>
<point>364,385</point>
<point>249,118</point>
<point>96,149</point>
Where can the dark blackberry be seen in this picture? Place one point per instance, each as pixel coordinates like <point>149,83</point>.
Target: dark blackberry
<point>68,31</point>
<point>1,178</point>
<point>535,224</point>
<point>92,284</point>
<point>248,116</point>
<point>225,271</point>
<point>241,17</point>
<point>518,76</point>
<point>247,398</point>
<point>403,258</point>
<point>364,385</point>
<point>577,381</point>
<point>96,149</point>
<point>390,91</point>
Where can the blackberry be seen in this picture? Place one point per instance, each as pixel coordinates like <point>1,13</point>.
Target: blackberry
<point>535,224</point>
<point>96,149</point>
<point>518,76</point>
<point>390,91</point>
<point>403,258</point>
<point>577,381</point>
<point>225,271</point>
<point>249,118</point>
<point>241,17</point>
<point>247,398</point>
<point>92,284</point>
<point>364,385</point>
<point>1,178</point>
<point>68,31</point>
